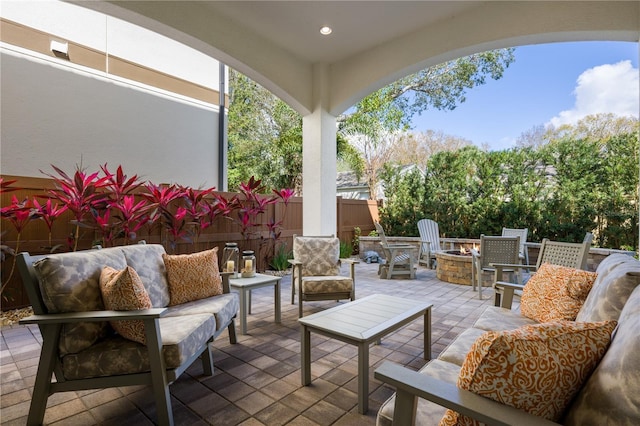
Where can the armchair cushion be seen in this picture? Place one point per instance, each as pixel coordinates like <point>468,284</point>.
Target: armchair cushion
<point>193,276</point>
<point>70,282</point>
<point>319,256</point>
<point>123,291</point>
<point>537,368</point>
<point>326,284</point>
<point>556,293</point>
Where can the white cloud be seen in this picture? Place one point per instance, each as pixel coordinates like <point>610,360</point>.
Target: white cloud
<point>609,88</point>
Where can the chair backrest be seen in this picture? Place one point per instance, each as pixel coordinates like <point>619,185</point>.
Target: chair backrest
<point>380,230</point>
<point>572,255</point>
<point>499,249</point>
<point>320,256</point>
<point>517,232</point>
<point>429,231</point>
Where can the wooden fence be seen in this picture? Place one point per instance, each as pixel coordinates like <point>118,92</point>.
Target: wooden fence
<point>35,236</point>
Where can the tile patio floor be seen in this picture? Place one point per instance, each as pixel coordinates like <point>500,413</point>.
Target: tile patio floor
<point>256,381</point>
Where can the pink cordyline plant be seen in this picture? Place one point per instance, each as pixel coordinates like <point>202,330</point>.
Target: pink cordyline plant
<point>120,184</point>
<point>79,194</point>
<point>198,210</point>
<point>174,223</point>
<point>19,214</point>
<point>48,212</point>
<point>131,215</point>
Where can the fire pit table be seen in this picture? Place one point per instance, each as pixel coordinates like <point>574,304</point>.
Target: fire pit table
<point>454,266</point>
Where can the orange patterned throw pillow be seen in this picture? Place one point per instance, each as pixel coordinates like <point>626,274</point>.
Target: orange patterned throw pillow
<point>536,368</point>
<point>556,293</point>
<point>192,276</point>
<point>123,291</point>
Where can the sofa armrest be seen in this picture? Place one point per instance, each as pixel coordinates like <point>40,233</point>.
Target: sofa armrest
<point>411,385</point>
<point>94,316</point>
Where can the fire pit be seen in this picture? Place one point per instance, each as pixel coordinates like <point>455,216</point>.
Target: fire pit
<point>454,266</point>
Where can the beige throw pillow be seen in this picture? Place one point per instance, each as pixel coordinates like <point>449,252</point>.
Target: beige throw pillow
<point>192,276</point>
<point>123,291</point>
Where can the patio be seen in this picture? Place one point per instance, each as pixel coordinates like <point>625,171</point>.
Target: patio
<point>256,381</point>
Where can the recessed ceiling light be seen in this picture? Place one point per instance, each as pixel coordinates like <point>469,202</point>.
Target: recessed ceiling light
<point>325,30</point>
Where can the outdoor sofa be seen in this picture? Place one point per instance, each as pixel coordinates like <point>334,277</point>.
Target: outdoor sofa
<point>609,393</point>
<point>80,347</point>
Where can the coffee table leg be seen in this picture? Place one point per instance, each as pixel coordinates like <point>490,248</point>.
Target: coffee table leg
<point>427,334</point>
<point>363,377</point>
<point>305,355</point>
<point>276,295</point>
<point>243,310</point>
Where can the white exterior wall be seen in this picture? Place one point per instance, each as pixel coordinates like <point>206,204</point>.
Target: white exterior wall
<point>51,115</point>
<point>56,112</point>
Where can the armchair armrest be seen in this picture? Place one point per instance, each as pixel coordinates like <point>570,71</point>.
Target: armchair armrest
<point>411,385</point>
<point>507,290</point>
<point>294,262</point>
<point>94,316</point>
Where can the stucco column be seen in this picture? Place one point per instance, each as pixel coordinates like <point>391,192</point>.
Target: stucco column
<point>319,161</point>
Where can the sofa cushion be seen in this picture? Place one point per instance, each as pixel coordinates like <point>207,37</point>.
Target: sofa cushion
<point>193,276</point>
<point>123,291</point>
<point>146,259</point>
<point>555,293</point>
<point>70,282</point>
<point>536,368</point>
<point>618,276</point>
<point>319,256</point>
<point>495,318</point>
<point>224,307</point>
<point>428,413</point>
<point>457,350</point>
<point>616,380</point>
<point>182,337</point>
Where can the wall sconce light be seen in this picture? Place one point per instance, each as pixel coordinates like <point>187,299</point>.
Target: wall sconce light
<point>60,49</point>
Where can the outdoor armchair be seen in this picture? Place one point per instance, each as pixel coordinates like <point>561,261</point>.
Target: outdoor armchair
<point>493,249</point>
<point>316,271</point>
<point>401,259</point>
<point>430,242</point>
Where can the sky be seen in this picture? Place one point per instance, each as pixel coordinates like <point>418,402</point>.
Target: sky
<point>546,84</point>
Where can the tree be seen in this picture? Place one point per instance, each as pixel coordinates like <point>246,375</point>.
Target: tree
<point>375,123</point>
<point>265,138</point>
<point>417,148</point>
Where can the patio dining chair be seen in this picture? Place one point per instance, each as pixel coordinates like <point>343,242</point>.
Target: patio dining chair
<point>571,255</point>
<point>430,242</point>
<point>316,271</point>
<point>493,249</point>
<point>400,259</point>
<point>522,233</point>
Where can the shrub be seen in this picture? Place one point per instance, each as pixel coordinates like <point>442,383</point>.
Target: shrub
<point>346,250</point>
<point>280,261</point>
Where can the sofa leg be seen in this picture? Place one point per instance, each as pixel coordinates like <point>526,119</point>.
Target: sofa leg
<point>207,359</point>
<point>51,335</point>
<point>232,332</point>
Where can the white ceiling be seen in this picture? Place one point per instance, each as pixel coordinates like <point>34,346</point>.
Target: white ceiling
<point>357,26</point>
<point>278,43</point>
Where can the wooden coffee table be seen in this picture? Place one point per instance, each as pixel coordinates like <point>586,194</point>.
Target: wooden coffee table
<point>244,287</point>
<point>361,323</point>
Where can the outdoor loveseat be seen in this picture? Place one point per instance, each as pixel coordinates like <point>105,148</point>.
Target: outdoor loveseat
<point>179,304</point>
<point>608,392</point>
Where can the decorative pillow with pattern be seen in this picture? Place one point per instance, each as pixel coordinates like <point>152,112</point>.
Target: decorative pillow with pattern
<point>192,276</point>
<point>123,291</point>
<point>536,368</point>
<point>556,293</point>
